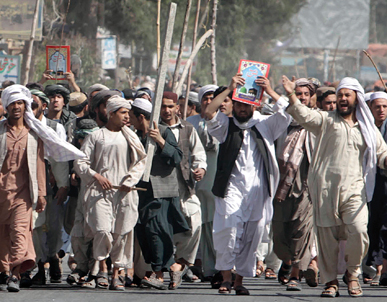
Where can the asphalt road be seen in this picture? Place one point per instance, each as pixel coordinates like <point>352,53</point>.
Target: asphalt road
<point>260,290</point>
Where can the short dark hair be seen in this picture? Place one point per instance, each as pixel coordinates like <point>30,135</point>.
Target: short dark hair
<point>220,90</point>
<point>78,108</point>
<point>137,112</point>
<point>198,106</point>
<point>36,86</point>
<point>324,95</point>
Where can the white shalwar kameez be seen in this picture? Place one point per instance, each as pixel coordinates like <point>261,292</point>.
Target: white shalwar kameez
<point>241,216</point>
<point>110,215</point>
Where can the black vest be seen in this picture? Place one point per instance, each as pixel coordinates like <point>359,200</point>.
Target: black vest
<point>228,153</point>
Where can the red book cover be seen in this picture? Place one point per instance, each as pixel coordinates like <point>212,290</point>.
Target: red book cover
<point>58,60</point>
<point>250,93</point>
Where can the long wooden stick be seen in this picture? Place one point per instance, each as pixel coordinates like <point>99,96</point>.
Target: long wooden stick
<point>158,32</point>
<point>162,72</point>
<point>133,188</point>
<point>30,46</point>
<point>377,70</point>
<point>190,60</point>
<point>195,33</point>
<point>182,41</point>
<point>61,41</point>
<point>334,60</point>
<point>213,48</point>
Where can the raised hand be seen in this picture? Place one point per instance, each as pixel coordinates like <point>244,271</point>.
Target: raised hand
<point>236,81</point>
<point>289,86</point>
<point>264,83</point>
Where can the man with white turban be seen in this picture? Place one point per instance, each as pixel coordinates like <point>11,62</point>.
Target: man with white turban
<point>22,175</point>
<point>114,163</point>
<point>341,178</point>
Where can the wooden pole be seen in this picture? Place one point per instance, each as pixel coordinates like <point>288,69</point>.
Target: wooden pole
<point>377,70</point>
<point>162,72</point>
<point>195,32</point>
<point>158,32</point>
<point>213,48</point>
<point>334,60</point>
<point>190,60</point>
<point>181,48</point>
<point>31,44</point>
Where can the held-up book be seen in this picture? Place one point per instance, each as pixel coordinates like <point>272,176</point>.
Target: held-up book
<point>58,60</point>
<point>250,93</point>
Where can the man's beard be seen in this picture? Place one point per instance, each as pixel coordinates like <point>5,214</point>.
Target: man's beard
<point>242,119</point>
<point>346,112</point>
<point>39,113</point>
<point>103,118</point>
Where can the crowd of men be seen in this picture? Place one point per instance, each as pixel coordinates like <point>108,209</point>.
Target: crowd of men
<point>291,189</point>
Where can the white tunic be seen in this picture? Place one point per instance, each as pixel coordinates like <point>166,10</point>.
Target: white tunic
<point>247,190</point>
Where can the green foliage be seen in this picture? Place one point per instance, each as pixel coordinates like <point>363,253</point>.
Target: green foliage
<point>245,30</point>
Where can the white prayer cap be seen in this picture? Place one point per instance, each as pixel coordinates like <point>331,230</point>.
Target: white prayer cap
<point>206,89</point>
<point>15,93</point>
<point>142,104</point>
<point>378,95</point>
<point>193,97</point>
<point>367,96</point>
<point>116,102</point>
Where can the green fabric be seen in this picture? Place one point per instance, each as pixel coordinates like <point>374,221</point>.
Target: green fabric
<point>41,95</point>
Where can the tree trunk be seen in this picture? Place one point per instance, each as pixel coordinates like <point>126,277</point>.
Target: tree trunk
<point>213,50</point>
<point>158,32</point>
<point>30,45</point>
<point>195,32</point>
<point>182,40</point>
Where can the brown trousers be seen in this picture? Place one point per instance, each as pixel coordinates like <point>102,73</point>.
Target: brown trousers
<point>17,248</point>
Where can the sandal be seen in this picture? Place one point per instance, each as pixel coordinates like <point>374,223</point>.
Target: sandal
<point>13,284</point>
<point>240,290</point>
<point>154,282</point>
<point>355,291</point>
<point>191,277</point>
<point>226,288</point>
<point>77,277</point>
<point>270,274</point>
<point>259,271</point>
<point>283,273</point>
<point>116,284</point>
<point>311,276</point>
<point>89,283</point>
<point>375,281</point>
<point>293,285</point>
<point>177,277</point>
<point>329,293</point>
<point>217,280</point>
<point>102,280</point>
